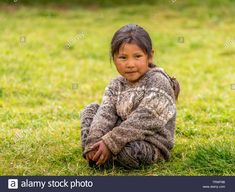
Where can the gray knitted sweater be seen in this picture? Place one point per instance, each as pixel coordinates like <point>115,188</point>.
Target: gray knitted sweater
<point>147,111</point>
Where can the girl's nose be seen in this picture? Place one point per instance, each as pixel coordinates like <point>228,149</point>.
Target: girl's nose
<point>130,64</point>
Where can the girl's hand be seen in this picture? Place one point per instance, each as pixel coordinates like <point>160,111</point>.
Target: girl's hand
<point>102,154</point>
<point>90,155</point>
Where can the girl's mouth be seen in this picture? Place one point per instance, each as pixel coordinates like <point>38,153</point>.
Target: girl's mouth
<point>130,72</point>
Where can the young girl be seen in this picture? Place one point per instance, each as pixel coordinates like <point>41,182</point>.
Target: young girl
<point>135,123</point>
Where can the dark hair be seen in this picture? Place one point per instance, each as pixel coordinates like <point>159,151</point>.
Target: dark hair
<point>131,33</point>
<point>174,83</point>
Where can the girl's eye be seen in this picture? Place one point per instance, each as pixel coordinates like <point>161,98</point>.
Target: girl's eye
<point>122,57</point>
<point>138,56</point>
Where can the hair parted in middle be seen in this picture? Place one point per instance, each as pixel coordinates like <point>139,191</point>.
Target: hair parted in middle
<point>131,33</point>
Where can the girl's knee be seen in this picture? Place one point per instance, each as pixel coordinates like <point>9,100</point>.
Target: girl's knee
<point>135,154</point>
<point>126,159</point>
<point>89,111</point>
<point>91,108</point>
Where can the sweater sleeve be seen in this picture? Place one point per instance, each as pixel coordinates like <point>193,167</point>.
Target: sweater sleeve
<point>155,110</point>
<point>105,118</point>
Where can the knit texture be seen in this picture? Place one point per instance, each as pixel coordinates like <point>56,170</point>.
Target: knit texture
<point>133,155</point>
<point>146,111</point>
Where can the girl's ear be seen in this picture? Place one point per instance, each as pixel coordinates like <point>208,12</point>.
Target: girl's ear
<point>151,56</point>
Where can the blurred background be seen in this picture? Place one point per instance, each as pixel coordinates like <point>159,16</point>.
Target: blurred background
<point>54,60</point>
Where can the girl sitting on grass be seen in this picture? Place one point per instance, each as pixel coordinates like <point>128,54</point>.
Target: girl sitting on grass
<point>135,123</point>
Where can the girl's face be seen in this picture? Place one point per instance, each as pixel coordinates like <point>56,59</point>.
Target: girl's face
<point>132,62</point>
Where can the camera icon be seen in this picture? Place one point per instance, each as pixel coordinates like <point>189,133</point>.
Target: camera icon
<point>12,183</point>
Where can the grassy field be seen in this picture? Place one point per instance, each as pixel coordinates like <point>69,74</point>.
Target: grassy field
<point>54,60</point>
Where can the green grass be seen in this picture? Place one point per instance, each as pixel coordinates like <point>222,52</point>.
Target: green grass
<point>44,84</point>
